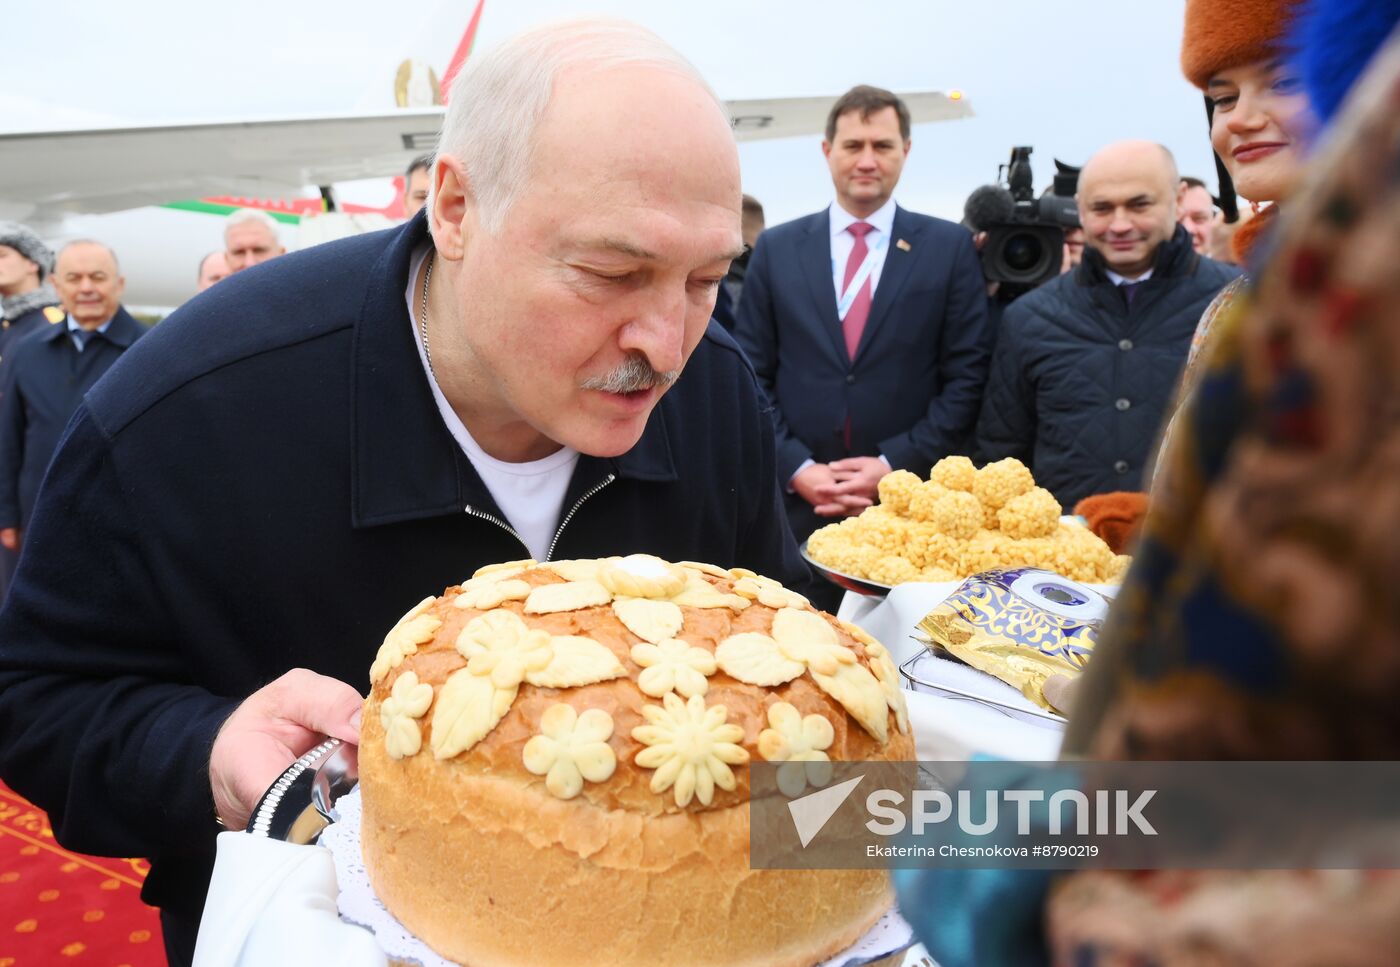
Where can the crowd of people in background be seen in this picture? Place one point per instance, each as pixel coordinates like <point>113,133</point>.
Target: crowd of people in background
<point>871,327</point>
<point>78,291</point>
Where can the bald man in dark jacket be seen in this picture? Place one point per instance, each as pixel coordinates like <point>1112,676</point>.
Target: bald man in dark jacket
<point>1086,365</point>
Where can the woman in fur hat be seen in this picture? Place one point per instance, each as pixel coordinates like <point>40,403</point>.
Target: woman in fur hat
<point>1259,119</point>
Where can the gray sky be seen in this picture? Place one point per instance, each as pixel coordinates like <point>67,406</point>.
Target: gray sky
<point>1064,77</point>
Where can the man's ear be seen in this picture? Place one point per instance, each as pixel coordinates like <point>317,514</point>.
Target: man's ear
<point>452,207</point>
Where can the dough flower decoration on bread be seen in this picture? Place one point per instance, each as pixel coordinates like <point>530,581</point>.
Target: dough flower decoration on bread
<point>492,591</point>
<point>699,593</point>
<point>766,591</point>
<point>691,747</point>
<point>400,713</point>
<point>803,641</point>
<point>498,644</point>
<point>504,569</point>
<point>887,673</point>
<point>799,742</point>
<point>713,570</point>
<point>501,652</point>
<point>589,584</point>
<point>673,666</point>
<point>571,748</point>
<point>642,576</point>
<point>569,722</point>
<point>804,636</point>
<point>576,570</point>
<point>653,621</point>
<point>569,596</point>
<point>412,630</point>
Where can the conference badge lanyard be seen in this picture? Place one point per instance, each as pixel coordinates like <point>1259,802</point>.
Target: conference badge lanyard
<point>867,266</point>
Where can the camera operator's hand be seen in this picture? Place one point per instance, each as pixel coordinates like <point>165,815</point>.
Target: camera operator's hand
<point>858,481</point>
<point>272,728</point>
<point>816,484</point>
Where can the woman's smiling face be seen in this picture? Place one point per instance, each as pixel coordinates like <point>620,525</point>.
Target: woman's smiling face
<point>1260,116</point>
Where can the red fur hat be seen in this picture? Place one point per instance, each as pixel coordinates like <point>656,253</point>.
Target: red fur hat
<point>1221,34</point>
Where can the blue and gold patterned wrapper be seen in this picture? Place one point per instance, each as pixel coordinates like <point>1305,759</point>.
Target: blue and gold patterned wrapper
<point>1021,625</point>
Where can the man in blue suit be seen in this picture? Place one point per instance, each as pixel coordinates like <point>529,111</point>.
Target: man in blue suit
<point>865,324</point>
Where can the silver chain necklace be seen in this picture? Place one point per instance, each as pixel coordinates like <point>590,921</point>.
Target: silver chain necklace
<point>423,317</point>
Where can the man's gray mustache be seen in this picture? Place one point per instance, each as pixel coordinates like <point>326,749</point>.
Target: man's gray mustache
<point>633,375</point>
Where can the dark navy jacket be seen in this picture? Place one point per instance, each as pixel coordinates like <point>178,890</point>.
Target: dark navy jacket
<point>46,378</point>
<point>13,330</point>
<point>913,389</point>
<point>265,482</point>
<point>1081,380</point>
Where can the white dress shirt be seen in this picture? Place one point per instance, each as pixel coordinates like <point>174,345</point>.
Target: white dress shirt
<point>73,329</point>
<point>1117,279</point>
<point>842,241</point>
<point>878,241</point>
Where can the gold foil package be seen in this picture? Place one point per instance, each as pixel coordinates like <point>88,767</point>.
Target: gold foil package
<point>1021,625</point>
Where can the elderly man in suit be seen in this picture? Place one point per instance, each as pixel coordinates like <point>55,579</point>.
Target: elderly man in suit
<point>865,323</point>
<point>50,372</point>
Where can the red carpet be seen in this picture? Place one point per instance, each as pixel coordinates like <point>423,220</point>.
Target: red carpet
<point>59,908</point>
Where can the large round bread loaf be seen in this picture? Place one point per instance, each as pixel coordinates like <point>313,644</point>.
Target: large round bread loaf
<point>554,765</point>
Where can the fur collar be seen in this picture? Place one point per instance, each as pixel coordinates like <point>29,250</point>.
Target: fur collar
<point>1243,242</point>
<point>26,302</point>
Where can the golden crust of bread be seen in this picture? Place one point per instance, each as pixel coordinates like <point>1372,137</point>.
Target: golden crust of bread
<point>477,857</point>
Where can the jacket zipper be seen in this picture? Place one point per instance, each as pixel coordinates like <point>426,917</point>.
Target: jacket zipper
<point>549,556</point>
<point>501,524</point>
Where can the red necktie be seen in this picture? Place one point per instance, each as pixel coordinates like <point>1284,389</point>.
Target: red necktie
<point>854,323</point>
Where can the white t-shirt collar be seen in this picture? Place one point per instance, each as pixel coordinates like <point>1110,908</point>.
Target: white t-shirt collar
<point>531,494</point>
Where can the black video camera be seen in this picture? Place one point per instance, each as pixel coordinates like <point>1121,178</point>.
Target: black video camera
<point>1027,248</point>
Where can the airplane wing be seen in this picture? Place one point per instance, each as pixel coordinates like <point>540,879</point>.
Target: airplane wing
<point>48,174</point>
<point>51,173</point>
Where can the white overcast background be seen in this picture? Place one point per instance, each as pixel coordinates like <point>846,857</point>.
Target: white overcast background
<point>1063,77</point>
